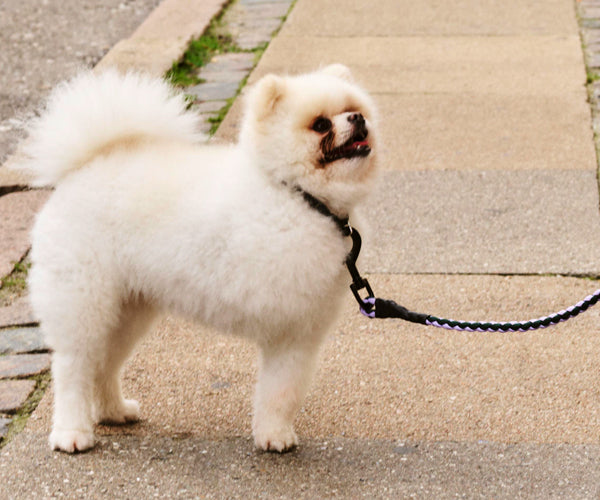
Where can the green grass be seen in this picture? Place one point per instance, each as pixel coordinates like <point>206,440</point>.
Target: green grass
<point>592,76</point>
<point>200,51</point>
<point>184,73</point>
<point>15,284</point>
<point>215,40</point>
<point>216,120</point>
<point>19,419</point>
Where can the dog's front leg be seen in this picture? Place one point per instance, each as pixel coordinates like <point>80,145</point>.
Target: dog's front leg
<point>285,373</point>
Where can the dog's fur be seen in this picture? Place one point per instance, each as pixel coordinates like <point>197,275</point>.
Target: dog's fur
<point>145,219</point>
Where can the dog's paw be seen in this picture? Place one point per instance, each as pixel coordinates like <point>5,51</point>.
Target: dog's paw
<point>71,441</point>
<point>280,440</point>
<point>127,411</point>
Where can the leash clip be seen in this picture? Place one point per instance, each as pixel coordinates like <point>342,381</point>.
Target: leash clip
<point>367,305</point>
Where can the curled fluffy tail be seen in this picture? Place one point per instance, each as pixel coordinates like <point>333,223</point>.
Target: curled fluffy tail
<point>89,113</point>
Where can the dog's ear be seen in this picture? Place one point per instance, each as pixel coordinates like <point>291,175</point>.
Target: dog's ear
<point>267,94</point>
<point>340,71</point>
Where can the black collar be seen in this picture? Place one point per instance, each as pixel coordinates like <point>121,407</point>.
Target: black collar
<point>341,222</point>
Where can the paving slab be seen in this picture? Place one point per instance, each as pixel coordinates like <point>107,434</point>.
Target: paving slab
<point>17,313</point>
<point>485,131</point>
<point>223,77</point>
<point>521,222</point>
<point>516,65</point>
<point>23,365</point>
<point>232,61</point>
<point>4,423</point>
<point>405,17</point>
<point>13,393</point>
<point>21,340</point>
<point>214,91</point>
<point>252,24</point>
<point>255,2</point>
<point>18,212</point>
<point>209,107</point>
<point>336,468</point>
<point>12,177</point>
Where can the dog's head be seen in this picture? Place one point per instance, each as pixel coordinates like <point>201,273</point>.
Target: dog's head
<point>314,131</point>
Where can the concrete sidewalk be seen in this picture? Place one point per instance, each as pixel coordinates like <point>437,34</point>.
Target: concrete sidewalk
<point>488,198</point>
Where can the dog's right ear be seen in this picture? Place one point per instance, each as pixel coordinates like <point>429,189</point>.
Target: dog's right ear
<point>266,95</point>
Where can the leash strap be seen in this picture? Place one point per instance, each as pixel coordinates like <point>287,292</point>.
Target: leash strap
<point>373,307</point>
<point>341,222</point>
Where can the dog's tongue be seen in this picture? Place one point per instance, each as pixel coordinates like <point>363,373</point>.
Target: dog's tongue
<point>358,144</point>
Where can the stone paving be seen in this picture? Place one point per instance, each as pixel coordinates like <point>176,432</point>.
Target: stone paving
<point>23,355</point>
<point>18,211</point>
<point>16,313</point>
<point>251,24</point>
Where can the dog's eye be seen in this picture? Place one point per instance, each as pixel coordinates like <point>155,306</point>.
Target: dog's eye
<point>322,125</point>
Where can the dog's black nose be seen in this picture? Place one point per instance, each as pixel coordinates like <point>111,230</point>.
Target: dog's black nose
<point>360,126</point>
<point>356,118</point>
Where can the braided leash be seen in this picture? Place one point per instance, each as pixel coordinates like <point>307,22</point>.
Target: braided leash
<point>373,307</point>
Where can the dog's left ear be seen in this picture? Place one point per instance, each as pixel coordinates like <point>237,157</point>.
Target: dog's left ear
<point>267,94</point>
<point>340,71</point>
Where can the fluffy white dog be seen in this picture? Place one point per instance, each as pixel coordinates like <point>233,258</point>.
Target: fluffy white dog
<point>145,219</point>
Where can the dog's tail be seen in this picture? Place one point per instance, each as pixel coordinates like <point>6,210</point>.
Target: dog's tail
<point>88,115</point>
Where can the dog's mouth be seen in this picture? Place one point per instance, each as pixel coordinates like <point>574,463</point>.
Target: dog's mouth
<point>355,147</point>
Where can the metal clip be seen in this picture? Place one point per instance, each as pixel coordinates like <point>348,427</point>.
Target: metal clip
<point>367,305</point>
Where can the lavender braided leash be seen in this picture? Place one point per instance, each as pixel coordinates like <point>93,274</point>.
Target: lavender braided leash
<point>534,324</point>
<point>373,307</point>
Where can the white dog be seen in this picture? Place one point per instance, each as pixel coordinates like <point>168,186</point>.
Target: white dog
<point>145,219</point>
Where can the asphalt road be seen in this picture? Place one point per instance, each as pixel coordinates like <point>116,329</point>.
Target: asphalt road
<point>44,41</point>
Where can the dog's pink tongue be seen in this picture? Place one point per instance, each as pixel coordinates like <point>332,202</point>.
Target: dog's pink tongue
<point>358,144</point>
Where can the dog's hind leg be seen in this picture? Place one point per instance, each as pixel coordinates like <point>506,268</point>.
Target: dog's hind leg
<point>77,333</point>
<point>77,312</point>
<point>135,320</point>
